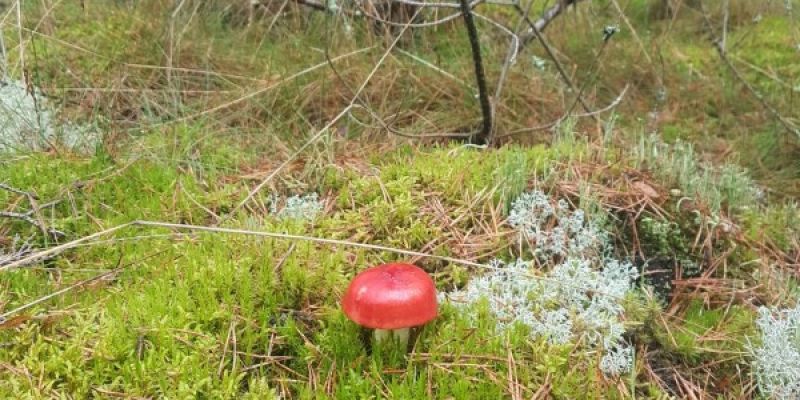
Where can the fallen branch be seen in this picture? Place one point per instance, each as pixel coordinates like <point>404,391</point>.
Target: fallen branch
<point>45,254</point>
<point>38,222</point>
<point>105,275</point>
<point>199,228</point>
<point>52,232</point>
<point>12,189</point>
<point>17,252</point>
<point>31,258</point>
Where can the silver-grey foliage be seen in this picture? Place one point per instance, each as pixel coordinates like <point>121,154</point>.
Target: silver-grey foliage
<point>28,122</point>
<point>305,207</point>
<point>579,298</point>
<point>776,361</point>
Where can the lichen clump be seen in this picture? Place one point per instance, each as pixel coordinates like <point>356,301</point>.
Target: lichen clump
<point>554,229</point>
<point>776,360</point>
<point>28,122</point>
<point>298,207</point>
<point>580,298</point>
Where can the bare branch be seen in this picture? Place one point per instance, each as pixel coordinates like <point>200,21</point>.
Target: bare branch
<point>550,53</point>
<point>484,136</point>
<point>103,276</point>
<point>52,251</point>
<point>719,45</point>
<point>17,252</point>
<point>362,103</point>
<point>547,17</point>
<point>12,189</point>
<point>511,56</point>
<point>319,133</point>
<point>20,216</point>
<point>28,217</point>
<point>312,4</point>
<point>564,117</point>
<point>431,66</point>
<point>428,24</point>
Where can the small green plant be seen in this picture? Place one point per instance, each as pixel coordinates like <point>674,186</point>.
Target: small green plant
<point>662,237</point>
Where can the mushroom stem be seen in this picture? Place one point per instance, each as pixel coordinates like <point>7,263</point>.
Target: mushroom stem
<point>400,334</point>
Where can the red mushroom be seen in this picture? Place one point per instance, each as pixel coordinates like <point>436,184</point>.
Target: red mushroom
<point>391,298</point>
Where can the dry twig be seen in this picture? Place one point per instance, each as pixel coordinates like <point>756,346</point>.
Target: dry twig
<point>719,46</point>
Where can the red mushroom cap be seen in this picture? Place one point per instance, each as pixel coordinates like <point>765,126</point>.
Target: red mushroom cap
<point>391,296</point>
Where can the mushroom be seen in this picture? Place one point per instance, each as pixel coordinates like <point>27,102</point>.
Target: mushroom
<point>391,298</point>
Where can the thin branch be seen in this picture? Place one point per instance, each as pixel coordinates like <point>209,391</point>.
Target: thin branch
<point>432,66</point>
<point>593,70</point>
<point>394,131</point>
<point>28,217</point>
<point>719,46</point>
<point>511,56</point>
<point>537,32</point>
<point>428,24</point>
<point>547,17</point>
<point>320,133</point>
<point>20,38</point>
<point>727,7</point>
<point>275,235</point>
<point>3,60</point>
<point>286,162</point>
<point>607,108</point>
<point>362,103</point>
<point>25,217</point>
<point>514,35</point>
<point>156,224</point>
<point>608,32</point>
<point>632,30</point>
<point>484,136</point>
<point>12,189</point>
<point>105,275</point>
<point>45,254</point>
<point>425,4</point>
<point>564,117</point>
<point>312,4</point>
<point>260,91</point>
<point>788,125</point>
<point>17,252</point>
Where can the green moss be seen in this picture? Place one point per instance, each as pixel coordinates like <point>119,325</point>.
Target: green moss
<point>709,333</point>
<point>780,223</point>
<point>661,237</point>
<point>165,325</point>
<point>223,316</point>
<point>673,133</point>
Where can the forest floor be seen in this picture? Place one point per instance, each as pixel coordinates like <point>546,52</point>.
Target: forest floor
<point>203,181</point>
